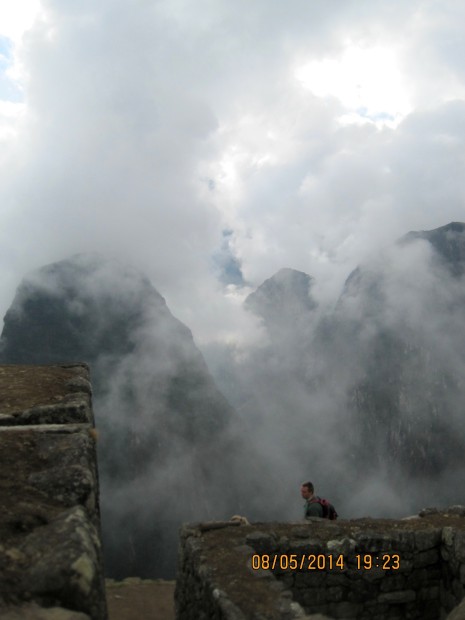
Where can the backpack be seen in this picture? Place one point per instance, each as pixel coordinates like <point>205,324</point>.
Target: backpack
<point>329,512</point>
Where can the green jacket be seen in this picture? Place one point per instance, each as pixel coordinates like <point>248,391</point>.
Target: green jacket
<point>312,509</point>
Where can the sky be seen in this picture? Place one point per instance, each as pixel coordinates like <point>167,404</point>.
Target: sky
<point>210,144</point>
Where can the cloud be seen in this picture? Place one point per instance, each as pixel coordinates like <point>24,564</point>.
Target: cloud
<point>148,129</point>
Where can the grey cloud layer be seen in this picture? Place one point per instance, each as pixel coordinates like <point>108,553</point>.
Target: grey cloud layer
<point>153,127</point>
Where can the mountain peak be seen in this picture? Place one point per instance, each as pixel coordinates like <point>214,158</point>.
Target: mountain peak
<point>448,241</point>
<point>156,404</point>
<point>77,308</point>
<point>282,298</point>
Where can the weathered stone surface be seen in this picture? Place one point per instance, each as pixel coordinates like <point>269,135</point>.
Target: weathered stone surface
<point>344,546</point>
<point>70,486</point>
<point>426,558</point>
<point>448,535</point>
<point>44,395</point>
<point>427,539</point>
<point>459,546</point>
<point>47,467</point>
<point>309,546</point>
<point>60,562</point>
<point>403,596</point>
<point>74,410</point>
<point>34,612</point>
<point>369,541</point>
<point>462,573</point>
<point>457,510</point>
<point>50,551</point>
<point>261,541</point>
<point>79,383</point>
<point>427,512</point>
<point>458,613</point>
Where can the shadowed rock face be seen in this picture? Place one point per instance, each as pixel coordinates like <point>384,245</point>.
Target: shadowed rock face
<point>82,306</point>
<point>164,447</point>
<point>282,299</point>
<point>50,554</point>
<point>402,317</point>
<point>448,243</point>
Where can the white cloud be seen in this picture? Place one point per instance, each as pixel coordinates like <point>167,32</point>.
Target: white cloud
<point>368,82</point>
<point>149,129</point>
<point>16,17</point>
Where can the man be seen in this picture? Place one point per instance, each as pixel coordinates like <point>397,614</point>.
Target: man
<point>311,507</point>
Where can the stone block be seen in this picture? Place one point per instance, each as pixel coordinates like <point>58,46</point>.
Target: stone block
<point>426,558</point>
<point>261,542</point>
<point>417,578</point>
<point>458,613</point>
<point>62,563</point>
<point>448,535</point>
<point>34,612</point>
<point>427,539</point>
<point>428,594</point>
<point>372,541</point>
<point>307,547</point>
<point>50,552</point>
<point>344,546</point>
<point>345,610</point>
<point>393,582</point>
<point>403,541</point>
<point>399,596</point>
<point>459,545</point>
<point>458,510</point>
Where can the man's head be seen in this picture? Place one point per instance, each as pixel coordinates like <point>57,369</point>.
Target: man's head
<point>307,490</point>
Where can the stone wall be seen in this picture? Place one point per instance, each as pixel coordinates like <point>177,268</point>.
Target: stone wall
<point>50,549</point>
<point>365,568</point>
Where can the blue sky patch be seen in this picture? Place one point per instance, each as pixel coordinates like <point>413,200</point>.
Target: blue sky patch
<point>9,90</point>
<point>6,48</point>
<point>226,264</point>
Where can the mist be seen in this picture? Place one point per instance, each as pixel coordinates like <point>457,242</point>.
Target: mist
<point>363,398</point>
<point>206,148</point>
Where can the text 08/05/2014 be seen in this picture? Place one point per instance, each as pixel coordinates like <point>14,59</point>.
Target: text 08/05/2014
<point>294,562</point>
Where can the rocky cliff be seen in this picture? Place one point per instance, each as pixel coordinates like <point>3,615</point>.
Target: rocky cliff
<point>402,315</point>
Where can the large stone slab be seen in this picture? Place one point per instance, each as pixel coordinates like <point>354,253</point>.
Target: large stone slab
<point>50,549</point>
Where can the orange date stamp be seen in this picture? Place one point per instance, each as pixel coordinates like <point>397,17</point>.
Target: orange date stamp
<point>321,561</point>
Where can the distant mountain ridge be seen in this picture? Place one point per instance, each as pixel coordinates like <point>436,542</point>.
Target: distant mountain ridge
<point>448,242</point>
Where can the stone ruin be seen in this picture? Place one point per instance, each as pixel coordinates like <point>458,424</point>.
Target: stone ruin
<point>363,568</point>
<point>50,550</point>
